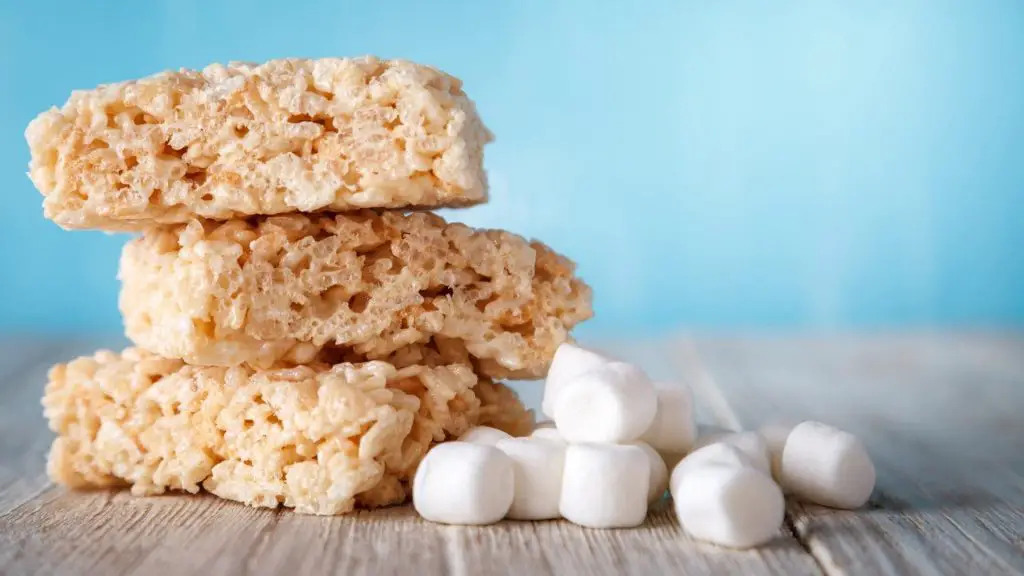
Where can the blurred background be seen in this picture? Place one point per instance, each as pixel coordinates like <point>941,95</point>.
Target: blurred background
<point>819,165</point>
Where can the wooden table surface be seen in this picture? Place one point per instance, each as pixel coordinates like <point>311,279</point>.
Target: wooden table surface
<point>942,415</point>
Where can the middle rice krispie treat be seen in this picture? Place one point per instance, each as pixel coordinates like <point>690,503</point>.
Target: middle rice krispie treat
<point>407,288</point>
<point>321,439</point>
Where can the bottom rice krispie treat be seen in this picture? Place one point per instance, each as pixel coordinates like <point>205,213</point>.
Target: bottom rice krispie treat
<point>322,439</point>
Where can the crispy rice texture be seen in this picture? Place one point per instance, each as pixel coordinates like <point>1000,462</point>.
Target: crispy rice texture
<point>290,135</point>
<point>319,439</point>
<point>406,288</point>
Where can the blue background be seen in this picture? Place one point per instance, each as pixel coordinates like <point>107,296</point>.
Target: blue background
<point>709,164</point>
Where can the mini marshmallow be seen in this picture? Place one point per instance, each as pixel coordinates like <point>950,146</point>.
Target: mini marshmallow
<point>605,485</point>
<point>464,483</point>
<point>673,429</point>
<point>751,444</point>
<point>569,362</point>
<point>719,453</point>
<point>775,438</point>
<point>658,481</point>
<point>550,434</point>
<point>484,435</point>
<point>827,466</point>
<point>727,505</point>
<point>613,403</point>
<point>538,466</point>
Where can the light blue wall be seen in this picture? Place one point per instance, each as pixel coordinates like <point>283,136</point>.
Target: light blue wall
<point>709,163</point>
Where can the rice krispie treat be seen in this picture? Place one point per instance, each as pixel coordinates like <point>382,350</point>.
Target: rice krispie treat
<point>408,288</point>
<point>244,139</point>
<point>316,438</point>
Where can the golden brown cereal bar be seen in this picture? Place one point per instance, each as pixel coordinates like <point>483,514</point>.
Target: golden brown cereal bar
<point>334,134</point>
<point>408,288</point>
<point>321,439</point>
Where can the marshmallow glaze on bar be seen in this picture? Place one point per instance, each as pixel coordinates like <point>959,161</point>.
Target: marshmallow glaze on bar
<point>240,140</point>
<point>321,439</point>
<point>409,289</point>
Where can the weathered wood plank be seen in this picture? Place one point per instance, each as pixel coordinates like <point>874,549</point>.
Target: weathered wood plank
<point>103,532</point>
<point>24,437</point>
<point>18,353</point>
<point>663,361</point>
<point>940,415</point>
<point>108,532</point>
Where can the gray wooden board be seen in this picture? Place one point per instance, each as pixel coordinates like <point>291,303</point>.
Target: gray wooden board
<point>943,418</point>
<point>909,529</point>
<point>24,438</point>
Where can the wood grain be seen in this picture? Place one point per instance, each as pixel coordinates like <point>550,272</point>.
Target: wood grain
<point>938,413</point>
<point>941,416</point>
<point>52,531</point>
<point>109,532</point>
<point>24,438</point>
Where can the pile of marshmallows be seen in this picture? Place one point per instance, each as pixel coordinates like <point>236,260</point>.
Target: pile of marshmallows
<point>605,456</point>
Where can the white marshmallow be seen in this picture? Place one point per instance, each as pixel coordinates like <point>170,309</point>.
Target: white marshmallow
<point>827,466</point>
<point>551,434</point>
<point>538,471</point>
<point>569,362</point>
<point>613,403</point>
<point>605,485</point>
<point>484,435</point>
<point>658,481</point>
<point>673,428</point>
<point>730,506</point>
<point>719,453</point>
<point>751,444</point>
<point>775,438</point>
<point>464,483</point>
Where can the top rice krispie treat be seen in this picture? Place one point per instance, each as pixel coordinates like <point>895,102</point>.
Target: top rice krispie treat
<point>290,135</point>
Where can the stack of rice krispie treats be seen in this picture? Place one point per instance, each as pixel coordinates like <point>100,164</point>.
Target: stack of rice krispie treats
<point>305,328</point>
